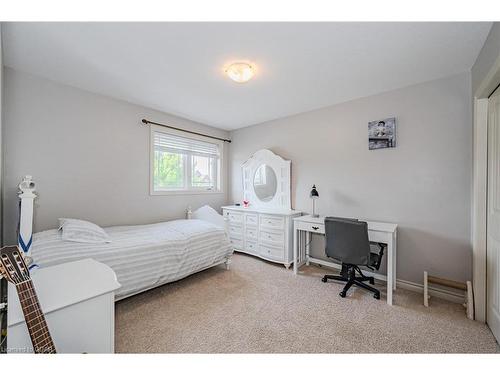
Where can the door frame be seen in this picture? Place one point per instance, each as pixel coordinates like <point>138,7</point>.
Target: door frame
<point>479,188</point>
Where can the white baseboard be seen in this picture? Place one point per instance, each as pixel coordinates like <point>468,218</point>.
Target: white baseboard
<point>445,294</point>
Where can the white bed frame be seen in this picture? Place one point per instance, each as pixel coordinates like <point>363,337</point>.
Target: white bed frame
<point>227,261</point>
<point>27,196</point>
<point>26,193</point>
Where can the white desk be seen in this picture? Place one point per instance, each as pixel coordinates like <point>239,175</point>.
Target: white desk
<point>386,233</point>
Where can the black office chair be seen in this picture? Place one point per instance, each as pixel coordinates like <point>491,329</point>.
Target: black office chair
<point>347,242</point>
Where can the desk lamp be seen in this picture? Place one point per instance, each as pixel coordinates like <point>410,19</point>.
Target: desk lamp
<point>314,195</point>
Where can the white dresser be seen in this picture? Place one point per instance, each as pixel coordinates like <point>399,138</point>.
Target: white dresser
<point>265,233</point>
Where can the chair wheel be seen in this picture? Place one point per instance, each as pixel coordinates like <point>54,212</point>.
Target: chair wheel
<point>376,296</point>
<point>372,281</point>
<point>342,294</point>
<point>324,279</point>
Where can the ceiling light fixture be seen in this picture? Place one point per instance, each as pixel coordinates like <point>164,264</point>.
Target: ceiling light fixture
<point>240,72</point>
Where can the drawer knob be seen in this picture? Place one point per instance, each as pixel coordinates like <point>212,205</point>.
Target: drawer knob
<point>315,228</point>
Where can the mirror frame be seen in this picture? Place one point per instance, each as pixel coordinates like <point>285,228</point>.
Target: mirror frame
<point>282,169</point>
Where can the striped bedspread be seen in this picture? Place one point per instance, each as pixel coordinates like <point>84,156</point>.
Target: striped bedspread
<point>142,256</point>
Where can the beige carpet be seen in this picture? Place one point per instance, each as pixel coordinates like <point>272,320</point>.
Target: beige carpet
<point>259,307</point>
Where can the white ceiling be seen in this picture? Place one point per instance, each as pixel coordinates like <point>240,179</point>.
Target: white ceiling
<point>178,67</point>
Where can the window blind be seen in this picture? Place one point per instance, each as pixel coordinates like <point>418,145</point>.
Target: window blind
<point>176,144</point>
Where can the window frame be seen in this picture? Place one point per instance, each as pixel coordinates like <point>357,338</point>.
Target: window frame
<point>185,191</point>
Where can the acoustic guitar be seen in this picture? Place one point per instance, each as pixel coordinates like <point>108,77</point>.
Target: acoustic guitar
<point>13,267</point>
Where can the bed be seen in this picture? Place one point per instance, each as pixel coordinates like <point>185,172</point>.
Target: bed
<point>143,256</point>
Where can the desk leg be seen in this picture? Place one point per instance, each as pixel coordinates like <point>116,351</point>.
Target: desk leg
<point>295,251</point>
<point>390,268</point>
<point>395,251</point>
<point>307,247</point>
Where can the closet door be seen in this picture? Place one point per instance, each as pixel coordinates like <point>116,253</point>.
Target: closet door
<point>493,216</point>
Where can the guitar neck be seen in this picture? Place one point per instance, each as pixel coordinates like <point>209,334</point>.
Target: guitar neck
<point>35,320</point>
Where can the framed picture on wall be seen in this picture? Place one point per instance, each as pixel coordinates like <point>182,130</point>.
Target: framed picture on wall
<point>382,133</point>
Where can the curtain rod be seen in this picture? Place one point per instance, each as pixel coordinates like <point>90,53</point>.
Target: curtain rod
<point>147,122</point>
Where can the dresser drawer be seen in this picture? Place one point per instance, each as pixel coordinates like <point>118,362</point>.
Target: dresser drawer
<point>235,231</point>
<point>251,220</point>
<point>252,247</point>
<point>234,217</point>
<point>272,252</point>
<point>252,233</point>
<point>237,243</point>
<point>273,222</point>
<point>274,238</point>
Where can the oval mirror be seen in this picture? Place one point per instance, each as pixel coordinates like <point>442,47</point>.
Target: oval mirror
<point>265,183</point>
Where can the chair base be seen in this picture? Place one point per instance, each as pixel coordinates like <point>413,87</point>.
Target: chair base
<point>348,275</point>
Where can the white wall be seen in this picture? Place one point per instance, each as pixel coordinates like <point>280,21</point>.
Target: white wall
<point>424,184</point>
<point>89,155</point>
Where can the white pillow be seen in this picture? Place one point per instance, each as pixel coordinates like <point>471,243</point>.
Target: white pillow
<point>82,231</point>
<point>207,213</point>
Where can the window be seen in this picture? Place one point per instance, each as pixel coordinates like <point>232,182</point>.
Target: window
<point>184,163</point>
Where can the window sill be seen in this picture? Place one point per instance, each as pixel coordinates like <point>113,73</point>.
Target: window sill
<point>185,192</point>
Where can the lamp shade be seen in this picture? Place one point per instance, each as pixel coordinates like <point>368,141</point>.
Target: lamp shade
<point>314,193</point>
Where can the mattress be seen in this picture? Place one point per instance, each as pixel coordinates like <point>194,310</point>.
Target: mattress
<point>142,256</point>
